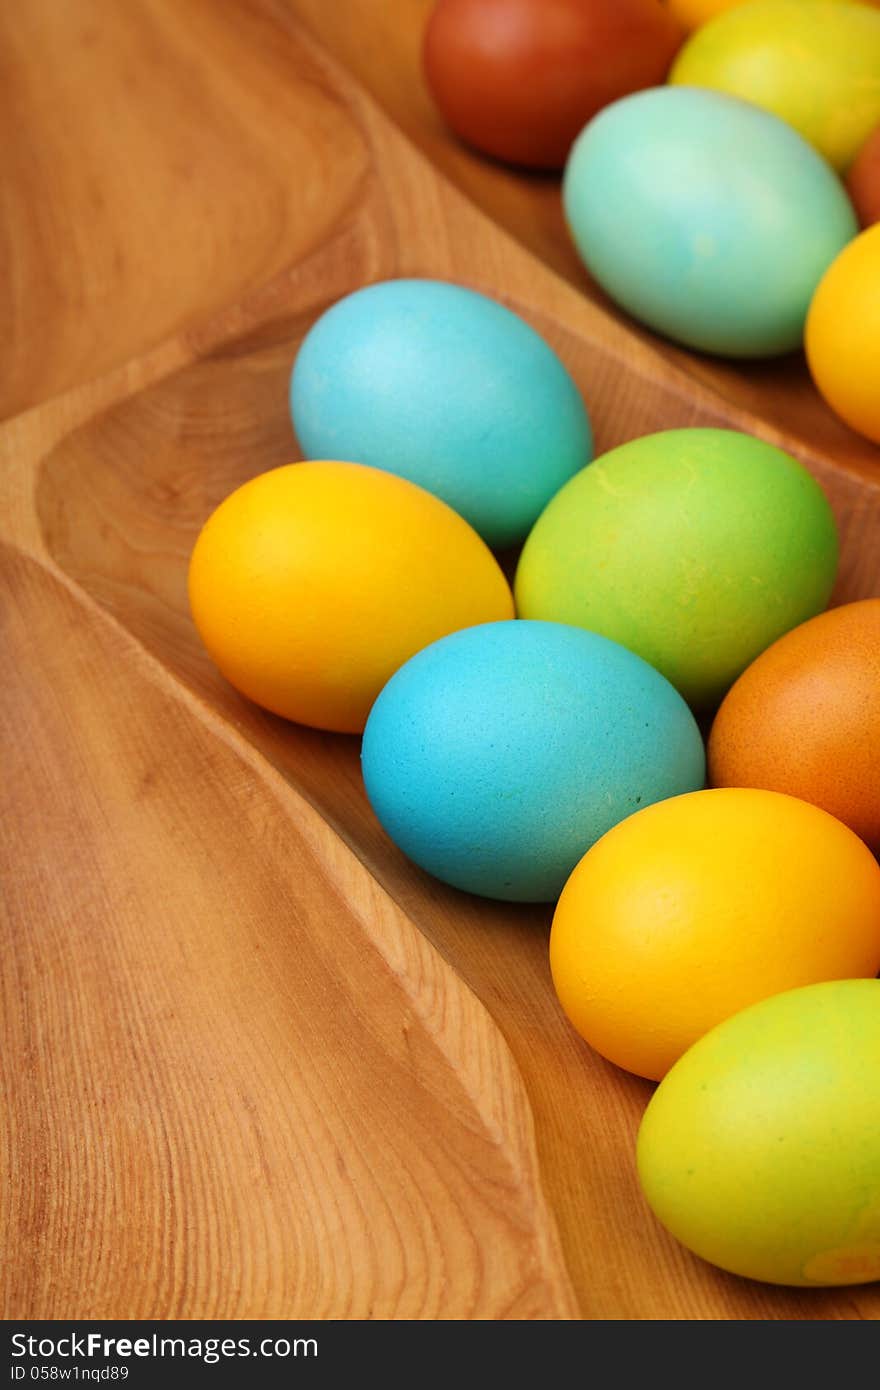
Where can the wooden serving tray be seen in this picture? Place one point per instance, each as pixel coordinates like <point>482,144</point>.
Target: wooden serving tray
<point>381,44</point>
<point>255,1064</point>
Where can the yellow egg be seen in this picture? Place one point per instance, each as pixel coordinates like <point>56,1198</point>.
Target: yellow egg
<point>843,334</point>
<point>813,63</point>
<point>311,584</point>
<point>761,1149</point>
<point>702,904</point>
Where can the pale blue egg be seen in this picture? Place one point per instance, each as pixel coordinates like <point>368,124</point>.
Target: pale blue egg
<point>495,757</point>
<point>448,388</point>
<point>707,218</point>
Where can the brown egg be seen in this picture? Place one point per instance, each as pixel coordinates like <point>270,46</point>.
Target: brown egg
<point>863,180</point>
<point>519,79</point>
<point>804,718</point>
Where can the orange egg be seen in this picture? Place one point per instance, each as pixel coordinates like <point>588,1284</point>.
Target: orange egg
<point>698,906</point>
<point>693,13</point>
<point>843,334</point>
<point>311,584</point>
<point>804,718</point>
<point>863,180</point>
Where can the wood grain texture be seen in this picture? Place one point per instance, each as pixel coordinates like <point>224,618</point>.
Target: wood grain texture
<point>220,975</point>
<point>382,45</point>
<point>239,1082</point>
<point>149,176</point>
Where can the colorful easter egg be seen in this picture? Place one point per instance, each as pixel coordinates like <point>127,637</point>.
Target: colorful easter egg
<point>708,219</point>
<point>518,79</point>
<point>497,755</point>
<point>311,584</point>
<point>761,1149</point>
<point>813,63</point>
<point>843,335</point>
<point>804,718</point>
<point>448,388</point>
<point>689,911</point>
<point>693,13</point>
<point>695,548</point>
<point>863,180</point>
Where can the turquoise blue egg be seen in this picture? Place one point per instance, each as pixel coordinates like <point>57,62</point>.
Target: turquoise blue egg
<point>448,388</point>
<point>495,757</point>
<point>706,218</point>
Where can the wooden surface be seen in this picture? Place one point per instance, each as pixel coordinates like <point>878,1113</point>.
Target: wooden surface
<point>255,1063</point>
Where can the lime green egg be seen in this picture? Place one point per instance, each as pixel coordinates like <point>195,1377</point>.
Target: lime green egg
<point>693,548</point>
<point>760,1150</point>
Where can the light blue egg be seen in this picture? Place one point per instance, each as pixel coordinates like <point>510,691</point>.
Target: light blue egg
<point>495,757</point>
<point>705,217</point>
<point>448,388</point>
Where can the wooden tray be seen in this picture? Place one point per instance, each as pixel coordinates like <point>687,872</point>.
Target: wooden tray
<point>381,44</point>
<point>255,1063</point>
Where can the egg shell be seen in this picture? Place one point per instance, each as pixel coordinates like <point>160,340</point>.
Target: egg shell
<point>843,335</point>
<point>310,585</point>
<point>804,718</point>
<point>863,180</point>
<point>760,1151</point>
<point>813,63</point>
<point>692,13</point>
<point>518,79</point>
<point>695,548</point>
<point>448,388</point>
<point>706,218</point>
<point>690,910</point>
<point>497,755</point>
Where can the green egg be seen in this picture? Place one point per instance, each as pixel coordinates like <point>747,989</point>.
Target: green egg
<point>760,1150</point>
<point>693,548</point>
